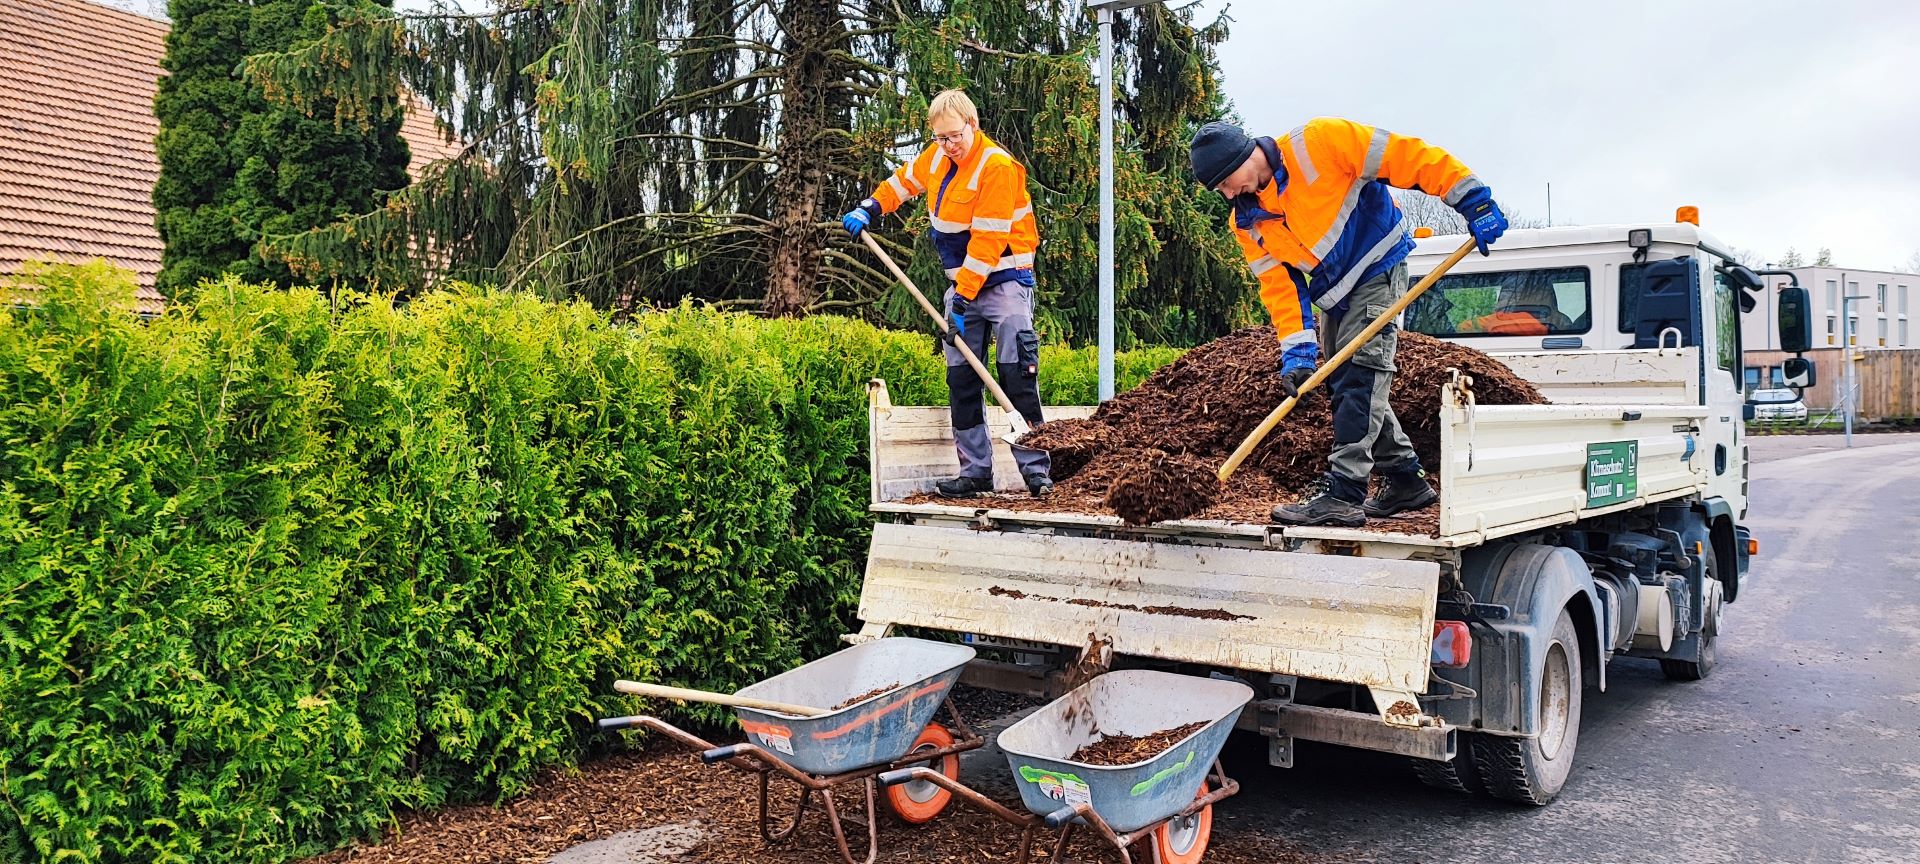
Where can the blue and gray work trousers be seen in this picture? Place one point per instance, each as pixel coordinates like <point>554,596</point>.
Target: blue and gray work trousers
<point>1366,434</point>
<point>1002,313</point>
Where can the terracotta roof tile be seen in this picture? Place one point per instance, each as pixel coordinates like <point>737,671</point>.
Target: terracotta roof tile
<point>77,164</point>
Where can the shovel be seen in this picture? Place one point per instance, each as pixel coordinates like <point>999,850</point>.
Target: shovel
<point>1327,369</point>
<point>1014,418</point>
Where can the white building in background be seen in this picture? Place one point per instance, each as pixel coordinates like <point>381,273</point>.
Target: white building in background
<point>1882,320</point>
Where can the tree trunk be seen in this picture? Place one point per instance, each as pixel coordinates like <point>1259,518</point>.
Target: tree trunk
<point>802,155</point>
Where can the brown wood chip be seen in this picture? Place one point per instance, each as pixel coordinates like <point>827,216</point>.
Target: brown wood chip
<point>1114,749</point>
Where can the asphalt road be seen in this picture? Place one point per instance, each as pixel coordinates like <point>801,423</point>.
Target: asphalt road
<point>1803,745</point>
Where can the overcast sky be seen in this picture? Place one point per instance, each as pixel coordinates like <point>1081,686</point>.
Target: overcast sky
<point>1786,123</point>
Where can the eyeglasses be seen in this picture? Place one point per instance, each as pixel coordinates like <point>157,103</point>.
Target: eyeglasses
<point>955,138</point>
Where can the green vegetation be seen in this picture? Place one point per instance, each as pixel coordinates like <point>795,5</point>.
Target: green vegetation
<point>273,567</point>
<point>235,167</point>
<point>640,152</point>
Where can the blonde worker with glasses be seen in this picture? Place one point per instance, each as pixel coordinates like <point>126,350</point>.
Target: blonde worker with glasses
<point>984,230</point>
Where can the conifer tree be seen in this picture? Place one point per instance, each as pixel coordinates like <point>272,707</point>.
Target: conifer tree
<point>643,151</point>
<point>234,166</point>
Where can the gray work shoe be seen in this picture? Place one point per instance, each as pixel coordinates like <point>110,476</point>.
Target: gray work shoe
<point>1040,485</point>
<point>1400,494</point>
<point>963,487</point>
<point>1321,509</point>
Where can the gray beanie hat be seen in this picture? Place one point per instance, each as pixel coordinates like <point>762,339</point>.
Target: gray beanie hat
<point>1218,150</point>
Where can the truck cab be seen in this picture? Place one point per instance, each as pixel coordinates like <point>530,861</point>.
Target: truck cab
<point>1606,288</point>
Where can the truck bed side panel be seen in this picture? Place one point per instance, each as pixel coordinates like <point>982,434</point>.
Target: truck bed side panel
<point>1364,621</point>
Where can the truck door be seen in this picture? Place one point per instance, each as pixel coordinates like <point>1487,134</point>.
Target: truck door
<point>1721,390</point>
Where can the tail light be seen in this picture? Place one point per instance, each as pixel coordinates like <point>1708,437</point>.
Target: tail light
<point>1452,644</point>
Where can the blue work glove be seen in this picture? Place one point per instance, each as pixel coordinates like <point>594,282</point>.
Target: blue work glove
<point>859,217</point>
<point>1294,372</point>
<point>1484,218</point>
<point>957,314</point>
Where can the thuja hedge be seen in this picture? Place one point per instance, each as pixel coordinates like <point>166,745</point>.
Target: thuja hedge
<point>272,566</point>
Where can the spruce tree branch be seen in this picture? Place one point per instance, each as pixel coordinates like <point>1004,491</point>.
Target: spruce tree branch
<point>703,139</point>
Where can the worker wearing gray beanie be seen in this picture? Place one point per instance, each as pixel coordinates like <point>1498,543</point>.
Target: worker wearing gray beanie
<point>1319,229</point>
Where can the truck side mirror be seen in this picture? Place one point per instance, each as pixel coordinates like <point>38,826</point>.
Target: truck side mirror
<point>1797,372</point>
<point>1744,277</point>
<point>1748,282</point>
<point>1796,326</point>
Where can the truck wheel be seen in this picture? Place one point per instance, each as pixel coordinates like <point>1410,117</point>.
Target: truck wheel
<point>1532,770</point>
<point>1459,775</point>
<point>1694,670</point>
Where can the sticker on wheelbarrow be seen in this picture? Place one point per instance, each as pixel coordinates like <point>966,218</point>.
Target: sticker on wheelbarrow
<point>771,735</point>
<point>1142,787</point>
<point>1062,787</point>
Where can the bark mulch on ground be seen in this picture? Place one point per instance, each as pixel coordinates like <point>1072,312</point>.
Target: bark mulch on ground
<point>1116,749</point>
<point>663,786</point>
<point>1195,411</point>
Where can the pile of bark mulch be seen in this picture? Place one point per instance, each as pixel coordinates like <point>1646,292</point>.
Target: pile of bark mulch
<point>667,786</point>
<point>1196,410</point>
<point>855,700</point>
<point>1116,749</point>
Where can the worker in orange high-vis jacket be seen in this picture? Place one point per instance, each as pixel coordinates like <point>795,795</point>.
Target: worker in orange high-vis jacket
<point>1316,223</point>
<point>984,230</point>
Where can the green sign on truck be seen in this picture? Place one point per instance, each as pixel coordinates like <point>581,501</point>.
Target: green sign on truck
<point>1613,472</point>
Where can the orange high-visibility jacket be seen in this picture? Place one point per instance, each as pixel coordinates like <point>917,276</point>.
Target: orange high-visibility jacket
<point>983,224</point>
<point>1327,223</point>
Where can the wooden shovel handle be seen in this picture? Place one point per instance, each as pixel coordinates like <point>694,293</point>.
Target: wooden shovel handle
<point>1013,415</point>
<point>685,695</point>
<point>1326,369</point>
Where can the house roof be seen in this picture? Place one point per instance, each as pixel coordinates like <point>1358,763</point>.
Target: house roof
<point>77,163</point>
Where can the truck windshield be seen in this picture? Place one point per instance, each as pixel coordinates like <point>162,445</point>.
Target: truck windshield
<point>1549,301</point>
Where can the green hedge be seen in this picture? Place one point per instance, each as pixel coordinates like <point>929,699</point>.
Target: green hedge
<point>270,569</point>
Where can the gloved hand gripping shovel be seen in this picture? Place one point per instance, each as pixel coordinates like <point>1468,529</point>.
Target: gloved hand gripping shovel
<point>1018,422</point>
<point>1327,369</point>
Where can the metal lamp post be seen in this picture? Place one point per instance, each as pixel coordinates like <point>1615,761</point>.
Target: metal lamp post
<point>1103,12</point>
<point>1846,355</point>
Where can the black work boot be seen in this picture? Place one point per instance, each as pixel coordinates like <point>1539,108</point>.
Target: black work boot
<point>963,487</point>
<point>1040,485</point>
<point>1400,493</point>
<point>1321,508</point>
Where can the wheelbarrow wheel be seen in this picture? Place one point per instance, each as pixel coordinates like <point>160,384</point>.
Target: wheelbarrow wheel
<point>919,801</point>
<point>1182,840</point>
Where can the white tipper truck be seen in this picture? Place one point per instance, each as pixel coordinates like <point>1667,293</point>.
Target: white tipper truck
<point>1605,525</point>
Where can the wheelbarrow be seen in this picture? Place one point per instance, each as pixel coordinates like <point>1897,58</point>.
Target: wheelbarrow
<point>1167,798</point>
<point>885,692</point>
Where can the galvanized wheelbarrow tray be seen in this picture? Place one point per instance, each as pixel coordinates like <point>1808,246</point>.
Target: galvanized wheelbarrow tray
<point>885,692</point>
<point>1168,798</point>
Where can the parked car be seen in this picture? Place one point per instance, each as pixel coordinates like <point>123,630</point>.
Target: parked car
<point>1775,406</point>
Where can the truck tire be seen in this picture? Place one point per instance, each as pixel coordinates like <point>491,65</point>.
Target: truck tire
<point>1459,775</point>
<point>1532,770</point>
<point>1694,670</point>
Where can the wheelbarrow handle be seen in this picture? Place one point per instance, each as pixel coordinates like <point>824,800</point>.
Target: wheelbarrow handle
<point>722,754</point>
<point>1062,816</point>
<point>683,694</point>
<point>898,776</point>
<point>608,724</point>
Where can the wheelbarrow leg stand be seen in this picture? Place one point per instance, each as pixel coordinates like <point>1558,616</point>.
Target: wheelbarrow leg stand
<point>839,828</point>
<point>767,831</point>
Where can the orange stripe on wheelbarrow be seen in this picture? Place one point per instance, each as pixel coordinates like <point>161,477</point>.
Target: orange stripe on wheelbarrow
<point>858,722</point>
<point>766,728</point>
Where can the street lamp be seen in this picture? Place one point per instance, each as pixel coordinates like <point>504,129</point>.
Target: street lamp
<point>1103,12</point>
<point>1848,334</point>
<point>1846,355</point>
